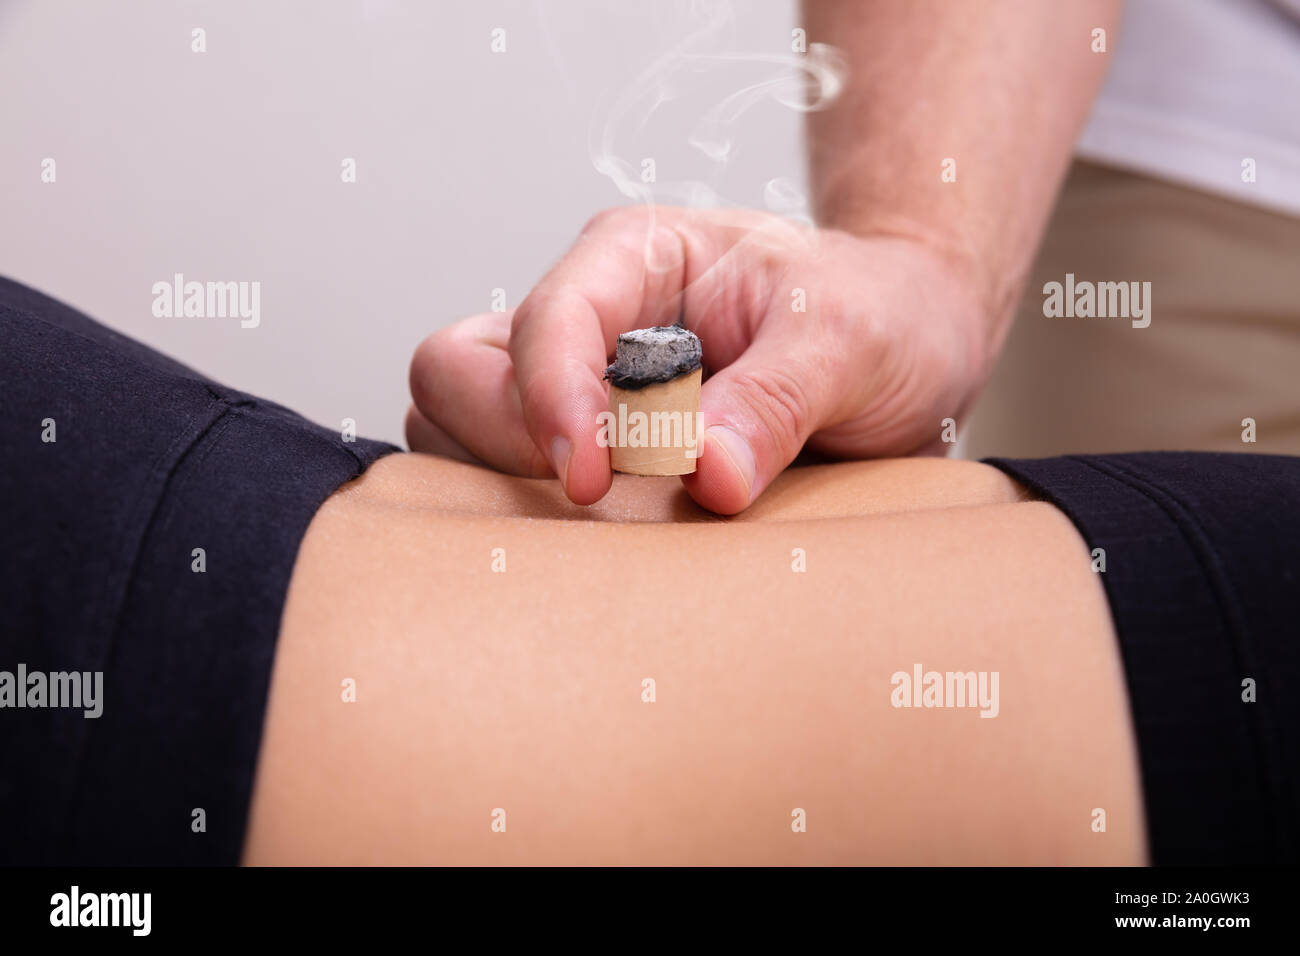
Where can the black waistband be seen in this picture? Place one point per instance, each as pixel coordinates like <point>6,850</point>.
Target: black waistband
<point>1202,566</point>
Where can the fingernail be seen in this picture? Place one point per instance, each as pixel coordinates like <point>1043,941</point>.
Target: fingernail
<point>740,454</point>
<point>560,449</point>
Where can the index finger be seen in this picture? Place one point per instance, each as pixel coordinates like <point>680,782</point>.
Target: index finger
<point>625,271</point>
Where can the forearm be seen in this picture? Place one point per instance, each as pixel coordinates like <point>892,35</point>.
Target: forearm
<point>1000,88</point>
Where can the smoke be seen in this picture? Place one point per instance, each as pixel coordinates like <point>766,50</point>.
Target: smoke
<point>704,67</point>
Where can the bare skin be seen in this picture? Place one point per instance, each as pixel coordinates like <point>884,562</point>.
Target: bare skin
<point>932,176</point>
<point>478,690</point>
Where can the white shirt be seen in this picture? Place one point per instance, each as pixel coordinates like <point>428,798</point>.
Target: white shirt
<point>1197,88</point>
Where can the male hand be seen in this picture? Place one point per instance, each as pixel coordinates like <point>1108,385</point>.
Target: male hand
<point>893,341</point>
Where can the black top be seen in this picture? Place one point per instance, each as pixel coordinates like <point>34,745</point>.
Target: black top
<point>149,461</point>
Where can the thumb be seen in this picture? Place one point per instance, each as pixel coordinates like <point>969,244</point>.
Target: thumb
<point>757,413</point>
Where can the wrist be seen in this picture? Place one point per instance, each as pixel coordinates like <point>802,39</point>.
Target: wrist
<point>980,295</point>
<point>983,292</point>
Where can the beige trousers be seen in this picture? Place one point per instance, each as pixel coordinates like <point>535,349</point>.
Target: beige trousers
<point>1223,344</point>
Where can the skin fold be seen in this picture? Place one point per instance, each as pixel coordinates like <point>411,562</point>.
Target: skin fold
<point>521,690</point>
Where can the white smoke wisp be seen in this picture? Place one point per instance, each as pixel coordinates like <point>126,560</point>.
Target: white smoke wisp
<point>690,72</point>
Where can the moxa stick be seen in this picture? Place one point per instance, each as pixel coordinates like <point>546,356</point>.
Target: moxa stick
<point>654,402</point>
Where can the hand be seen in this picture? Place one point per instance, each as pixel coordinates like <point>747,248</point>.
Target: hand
<point>892,342</point>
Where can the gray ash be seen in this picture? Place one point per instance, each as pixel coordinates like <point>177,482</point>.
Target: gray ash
<point>649,356</point>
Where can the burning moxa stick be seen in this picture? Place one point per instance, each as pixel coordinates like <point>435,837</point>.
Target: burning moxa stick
<point>653,425</point>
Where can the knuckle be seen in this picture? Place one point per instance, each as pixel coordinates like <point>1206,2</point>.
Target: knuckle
<point>614,219</point>
<point>428,367</point>
<point>412,429</point>
<point>534,397</point>
<point>423,369</point>
<point>527,458</point>
<point>780,402</point>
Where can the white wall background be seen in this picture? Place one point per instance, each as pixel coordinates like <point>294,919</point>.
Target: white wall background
<point>473,167</point>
